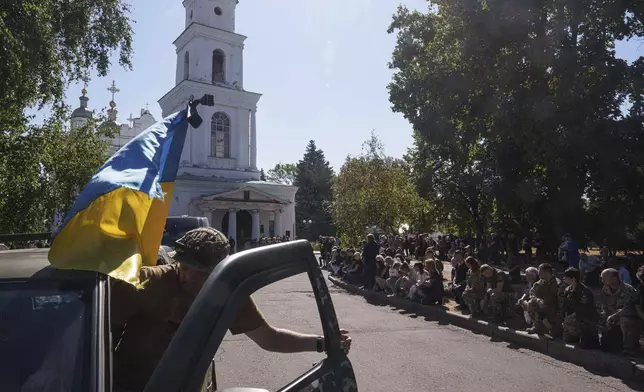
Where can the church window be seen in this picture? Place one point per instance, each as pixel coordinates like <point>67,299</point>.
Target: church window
<point>246,195</point>
<point>191,14</point>
<point>186,66</point>
<point>218,11</point>
<point>218,73</point>
<point>220,135</point>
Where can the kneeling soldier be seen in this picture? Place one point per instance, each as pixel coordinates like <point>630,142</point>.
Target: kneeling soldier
<point>580,314</point>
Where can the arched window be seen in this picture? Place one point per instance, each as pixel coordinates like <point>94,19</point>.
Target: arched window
<point>186,66</point>
<point>218,70</point>
<point>220,135</point>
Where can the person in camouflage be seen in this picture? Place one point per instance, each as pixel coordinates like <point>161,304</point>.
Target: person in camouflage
<point>579,311</point>
<point>499,294</point>
<point>145,320</point>
<point>618,301</point>
<point>543,305</point>
<point>475,287</point>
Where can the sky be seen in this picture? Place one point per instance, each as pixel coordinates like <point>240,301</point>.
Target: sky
<point>320,65</point>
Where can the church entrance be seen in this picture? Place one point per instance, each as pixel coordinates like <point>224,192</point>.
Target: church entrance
<point>244,227</point>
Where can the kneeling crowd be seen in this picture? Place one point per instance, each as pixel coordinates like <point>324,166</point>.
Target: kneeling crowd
<point>563,308</point>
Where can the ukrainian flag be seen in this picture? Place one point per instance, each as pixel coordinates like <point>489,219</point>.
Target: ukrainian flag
<point>116,223</point>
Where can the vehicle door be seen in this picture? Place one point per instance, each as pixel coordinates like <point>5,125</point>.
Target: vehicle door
<point>188,358</point>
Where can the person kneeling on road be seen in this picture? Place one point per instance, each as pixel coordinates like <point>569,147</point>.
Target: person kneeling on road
<point>531,277</point>
<point>544,303</point>
<point>622,324</point>
<point>145,320</point>
<point>580,313</point>
<point>458,281</point>
<point>475,287</point>
<point>499,292</point>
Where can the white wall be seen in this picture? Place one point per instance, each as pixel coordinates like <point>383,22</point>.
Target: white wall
<point>78,122</point>
<point>200,51</point>
<point>127,133</point>
<point>203,11</point>
<point>197,148</point>
<point>216,219</point>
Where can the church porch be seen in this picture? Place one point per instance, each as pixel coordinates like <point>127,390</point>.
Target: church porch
<point>248,214</point>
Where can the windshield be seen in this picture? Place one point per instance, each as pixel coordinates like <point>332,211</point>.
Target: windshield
<point>44,338</point>
<point>175,228</point>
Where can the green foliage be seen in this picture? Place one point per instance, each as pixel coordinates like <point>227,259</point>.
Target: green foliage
<point>313,199</point>
<point>45,44</point>
<point>517,111</point>
<point>43,168</point>
<point>374,190</point>
<point>282,173</point>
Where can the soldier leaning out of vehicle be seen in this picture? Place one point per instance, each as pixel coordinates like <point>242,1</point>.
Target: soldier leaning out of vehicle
<point>144,321</point>
<point>580,313</point>
<point>543,305</point>
<point>620,320</point>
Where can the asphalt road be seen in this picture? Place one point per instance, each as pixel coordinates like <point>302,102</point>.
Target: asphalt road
<point>391,351</point>
<point>395,352</point>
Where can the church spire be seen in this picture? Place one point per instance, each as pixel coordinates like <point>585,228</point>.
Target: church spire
<point>83,98</point>
<point>81,114</point>
<point>112,112</point>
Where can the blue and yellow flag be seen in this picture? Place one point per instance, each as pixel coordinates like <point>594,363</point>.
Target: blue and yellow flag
<point>116,223</point>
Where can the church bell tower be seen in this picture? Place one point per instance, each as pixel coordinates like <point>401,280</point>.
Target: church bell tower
<point>219,14</point>
<point>210,61</point>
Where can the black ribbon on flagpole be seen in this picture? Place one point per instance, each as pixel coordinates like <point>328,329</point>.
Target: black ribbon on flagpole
<point>194,119</point>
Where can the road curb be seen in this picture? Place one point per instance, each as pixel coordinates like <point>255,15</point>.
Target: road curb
<point>600,361</point>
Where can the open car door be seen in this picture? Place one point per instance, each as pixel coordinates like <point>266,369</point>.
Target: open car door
<point>189,355</point>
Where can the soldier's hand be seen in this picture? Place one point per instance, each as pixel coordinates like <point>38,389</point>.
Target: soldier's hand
<point>345,340</point>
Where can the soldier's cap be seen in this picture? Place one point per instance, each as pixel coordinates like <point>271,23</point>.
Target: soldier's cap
<point>202,248</point>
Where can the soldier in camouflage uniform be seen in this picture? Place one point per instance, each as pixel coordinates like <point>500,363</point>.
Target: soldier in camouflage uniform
<point>543,305</point>
<point>144,320</point>
<point>475,287</point>
<point>499,294</point>
<point>618,301</point>
<point>579,311</point>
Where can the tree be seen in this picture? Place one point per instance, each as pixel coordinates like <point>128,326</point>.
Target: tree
<point>45,168</point>
<point>514,107</point>
<point>282,173</point>
<point>374,190</point>
<point>313,199</point>
<point>45,44</point>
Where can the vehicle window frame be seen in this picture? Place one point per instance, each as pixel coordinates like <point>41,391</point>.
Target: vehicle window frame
<point>87,367</point>
<point>290,259</point>
<point>181,225</point>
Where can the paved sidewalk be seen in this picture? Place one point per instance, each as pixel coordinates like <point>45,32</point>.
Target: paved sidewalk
<point>612,364</point>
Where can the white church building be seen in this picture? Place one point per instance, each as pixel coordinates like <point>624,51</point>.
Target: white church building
<point>218,176</point>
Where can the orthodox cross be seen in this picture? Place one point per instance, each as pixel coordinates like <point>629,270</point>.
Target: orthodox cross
<point>147,106</point>
<point>113,89</point>
<point>131,120</point>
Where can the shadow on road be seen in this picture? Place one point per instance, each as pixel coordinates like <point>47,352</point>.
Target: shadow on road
<point>590,364</point>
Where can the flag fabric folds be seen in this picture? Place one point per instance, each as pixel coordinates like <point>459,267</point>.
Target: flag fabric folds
<point>116,224</point>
